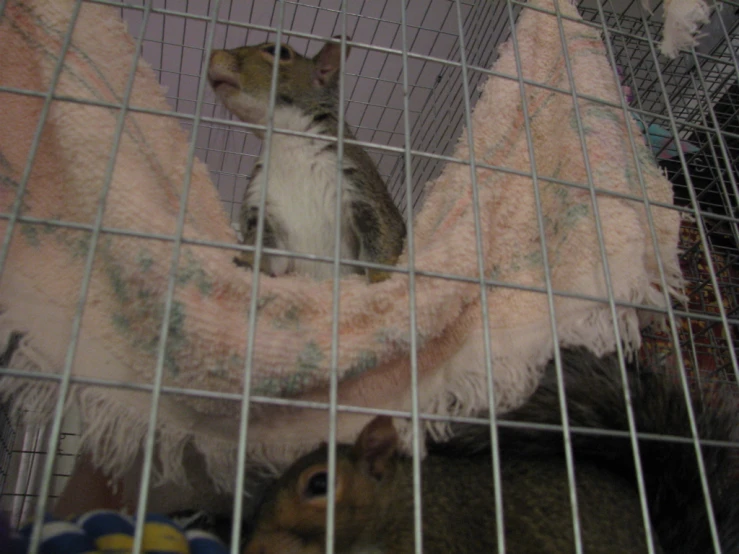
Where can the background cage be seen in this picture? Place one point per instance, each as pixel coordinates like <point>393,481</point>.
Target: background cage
<point>695,98</point>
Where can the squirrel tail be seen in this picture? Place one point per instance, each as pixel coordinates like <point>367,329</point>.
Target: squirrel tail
<point>595,399</point>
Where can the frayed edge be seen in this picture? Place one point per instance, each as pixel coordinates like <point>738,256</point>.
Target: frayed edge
<point>32,402</point>
<point>114,432</point>
<point>265,461</point>
<point>682,20</point>
<point>466,392</point>
<point>220,461</point>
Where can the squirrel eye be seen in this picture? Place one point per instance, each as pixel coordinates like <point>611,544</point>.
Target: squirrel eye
<point>285,52</point>
<point>317,485</point>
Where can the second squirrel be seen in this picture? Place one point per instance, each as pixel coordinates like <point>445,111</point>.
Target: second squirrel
<point>374,488</point>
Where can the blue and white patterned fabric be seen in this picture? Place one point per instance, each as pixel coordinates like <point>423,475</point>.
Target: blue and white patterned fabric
<point>110,532</point>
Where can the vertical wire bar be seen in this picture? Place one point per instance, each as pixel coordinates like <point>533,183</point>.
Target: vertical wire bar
<point>222,135</point>
<point>498,488</point>
<point>316,10</point>
<point>421,68</point>
<point>415,421</point>
<point>720,180</point>
<point>418,123</point>
<point>178,94</point>
<point>609,285</point>
<point>566,434</point>
<point>254,300</point>
<point>636,89</point>
<point>3,3</point>
<point>272,17</point>
<point>251,17</point>
<point>371,92</point>
<point>727,37</point>
<point>715,124</point>
<point>229,19</point>
<point>27,472</point>
<point>660,266</point>
<point>9,434</point>
<point>334,384</point>
<point>15,210</point>
<point>420,127</point>
<point>36,471</point>
<point>169,301</point>
<point>291,24</point>
<point>211,127</point>
<point>161,50</point>
<point>694,357</point>
<point>732,181</point>
<point>64,386</point>
<point>717,292</point>
<point>19,493</point>
<point>207,142</point>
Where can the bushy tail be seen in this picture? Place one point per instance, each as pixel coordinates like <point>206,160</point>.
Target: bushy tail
<point>595,399</point>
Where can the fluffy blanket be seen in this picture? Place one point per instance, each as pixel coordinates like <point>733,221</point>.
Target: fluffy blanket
<point>49,213</point>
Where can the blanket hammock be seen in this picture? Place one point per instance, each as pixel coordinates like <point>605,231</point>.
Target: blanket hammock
<point>118,339</point>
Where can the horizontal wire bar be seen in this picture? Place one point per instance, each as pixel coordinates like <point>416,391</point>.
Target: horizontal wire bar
<point>351,409</point>
<point>361,264</point>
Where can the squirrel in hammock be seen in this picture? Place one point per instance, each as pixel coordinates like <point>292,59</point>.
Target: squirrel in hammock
<point>374,486</point>
<point>300,209</point>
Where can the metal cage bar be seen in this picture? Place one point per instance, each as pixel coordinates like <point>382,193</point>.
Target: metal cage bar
<point>409,97</point>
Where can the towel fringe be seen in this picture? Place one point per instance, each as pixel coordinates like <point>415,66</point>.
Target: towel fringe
<point>682,20</point>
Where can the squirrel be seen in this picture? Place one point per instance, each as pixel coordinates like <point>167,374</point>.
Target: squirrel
<point>374,483</point>
<point>300,209</point>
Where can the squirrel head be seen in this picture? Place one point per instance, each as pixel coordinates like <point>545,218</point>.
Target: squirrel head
<point>242,77</point>
<point>292,518</point>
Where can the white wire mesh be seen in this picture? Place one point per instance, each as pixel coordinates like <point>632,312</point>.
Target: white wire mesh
<point>404,97</point>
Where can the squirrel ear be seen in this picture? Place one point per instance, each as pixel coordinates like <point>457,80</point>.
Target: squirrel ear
<point>328,62</point>
<point>376,445</point>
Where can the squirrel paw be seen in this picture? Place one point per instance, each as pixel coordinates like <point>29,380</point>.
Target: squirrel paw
<point>246,260</point>
<point>376,275</point>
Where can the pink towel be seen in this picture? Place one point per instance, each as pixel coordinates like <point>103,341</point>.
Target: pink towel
<point>42,275</point>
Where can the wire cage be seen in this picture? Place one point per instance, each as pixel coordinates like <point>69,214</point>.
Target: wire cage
<point>694,93</point>
<point>693,101</point>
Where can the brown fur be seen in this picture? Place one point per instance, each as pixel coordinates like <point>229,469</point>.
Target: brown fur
<point>374,492</point>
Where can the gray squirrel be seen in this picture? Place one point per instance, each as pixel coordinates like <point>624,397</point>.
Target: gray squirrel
<point>301,193</point>
<point>374,490</point>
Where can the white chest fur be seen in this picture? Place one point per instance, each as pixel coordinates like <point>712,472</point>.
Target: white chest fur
<point>301,198</point>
